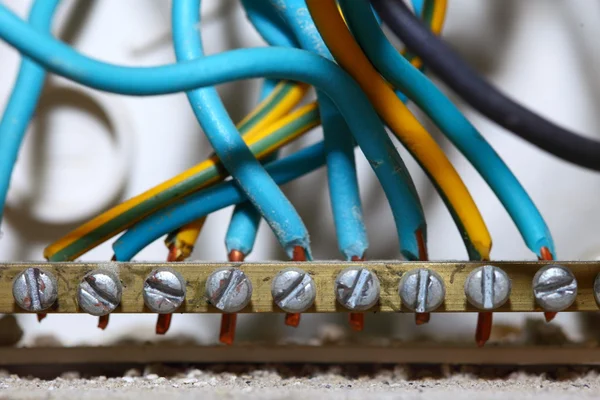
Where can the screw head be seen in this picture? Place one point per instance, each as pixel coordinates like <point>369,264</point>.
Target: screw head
<point>487,287</point>
<point>35,289</point>
<point>99,292</point>
<point>164,290</point>
<point>293,290</point>
<point>554,288</point>
<point>357,288</point>
<point>422,290</point>
<point>228,289</point>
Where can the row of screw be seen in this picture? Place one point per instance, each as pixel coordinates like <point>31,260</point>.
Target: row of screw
<point>294,291</point>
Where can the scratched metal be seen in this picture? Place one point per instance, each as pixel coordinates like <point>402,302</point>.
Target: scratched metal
<point>389,273</point>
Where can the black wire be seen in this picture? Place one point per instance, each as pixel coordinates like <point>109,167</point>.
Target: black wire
<point>481,95</point>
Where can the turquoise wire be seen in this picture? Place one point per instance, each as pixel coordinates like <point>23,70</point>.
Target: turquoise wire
<point>339,144</point>
<point>245,219</point>
<point>276,63</point>
<point>269,24</point>
<point>452,123</point>
<point>227,143</point>
<point>206,201</point>
<point>23,100</point>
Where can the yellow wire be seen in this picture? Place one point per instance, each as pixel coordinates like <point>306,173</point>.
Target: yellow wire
<point>185,239</point>
<point>206,164</point>
<point>401,121</point>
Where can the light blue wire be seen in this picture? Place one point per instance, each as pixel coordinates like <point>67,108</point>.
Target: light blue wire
<point>23,100</point>
<point>204,202</point>
<point>451,121</point>
<point>245,219</point>
<point>269,24</point>
<point>225,139</point>
<point>276,63</point>
<point>339,143</point>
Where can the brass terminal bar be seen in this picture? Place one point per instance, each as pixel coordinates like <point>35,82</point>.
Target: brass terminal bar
<point>389,273</point>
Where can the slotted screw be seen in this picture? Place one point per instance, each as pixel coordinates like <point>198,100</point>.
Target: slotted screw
<point>99,292</point>
<point>357,288</point>
<point>422,290</point>
<point>164,290</point>
<point>228,289</point>
<point>293,290</point>
<point>35,289</point>
<point>554,288</point>
<point>487,287</point>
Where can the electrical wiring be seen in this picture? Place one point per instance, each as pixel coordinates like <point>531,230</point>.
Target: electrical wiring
<point>220,130</point>
<point>235,65</point>
<point>405,126</point>
<point>23,100</point>
<point>204,202</point>
<point>483,96</point>
<point>339,144</point>
<point>122,216</point>
<point>451,122</point>
<point>269,24</point>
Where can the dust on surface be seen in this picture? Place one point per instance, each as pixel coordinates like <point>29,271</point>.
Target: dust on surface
<point>305,382</point>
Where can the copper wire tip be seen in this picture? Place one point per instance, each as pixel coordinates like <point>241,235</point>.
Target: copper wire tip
<point>113,258</point>
<point>422,318</point>
<point>549,316</point>
<point>545,254</point>
<point>357,258</point>
<point>292,319</point>
<point>357,321</point>
<point>163,323</point>
<point>103,321</point>
<point>299,254</point>
<point>423,256</point>
<point>41,316</point>
<point>227,333</point>
<point>173,255</point>
<point>484,328</point>
<point>236,256</point>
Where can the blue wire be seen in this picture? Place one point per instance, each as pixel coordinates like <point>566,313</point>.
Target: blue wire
<point>339,143</point>
<point>451,121</point>
<point>225,139</point>
<point>269,24</point>
<point>276,63</point>
<point>245,219</point>
<point>204,202</point>
<point>23,100</point>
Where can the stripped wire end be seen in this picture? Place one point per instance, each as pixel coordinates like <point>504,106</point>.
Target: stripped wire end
<point>173,254</point>
<point>103,321</point>
<point>228,321</point>
<point>293,319</point>
<point>163,323</point>
<point>484,328</point>
<point>422,318</point>
<point>41,316</point>
<point>546,255</point>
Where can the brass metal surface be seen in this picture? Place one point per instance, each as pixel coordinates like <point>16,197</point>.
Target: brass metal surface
<point>454,274</point>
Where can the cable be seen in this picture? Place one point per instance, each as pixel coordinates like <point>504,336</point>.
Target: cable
<point>209,200</point>
<point>274,63</point>
<point>237,158</point>
<point>484,97</point>
<point>452,123</point>
<point>269,24</point>
<point>339,144</point>
<point>23,100</point>
<point>405,126</point>
<point>122,216</point>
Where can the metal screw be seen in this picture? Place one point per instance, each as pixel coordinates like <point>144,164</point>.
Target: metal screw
<point>422,290</point>
<point>35,289</point>
<point>293,290</point>
<point>99,292</point>
<point>554,288</point>
<point>357,288</point>
<point>597,289</point>
<point>228,289</point>
<point>487,287</point>
<point>164,290</point>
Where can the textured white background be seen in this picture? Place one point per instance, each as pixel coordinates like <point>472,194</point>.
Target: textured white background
<point>541,52</point>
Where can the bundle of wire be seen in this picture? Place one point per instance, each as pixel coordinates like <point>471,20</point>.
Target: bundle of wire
<point>362,82</point>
